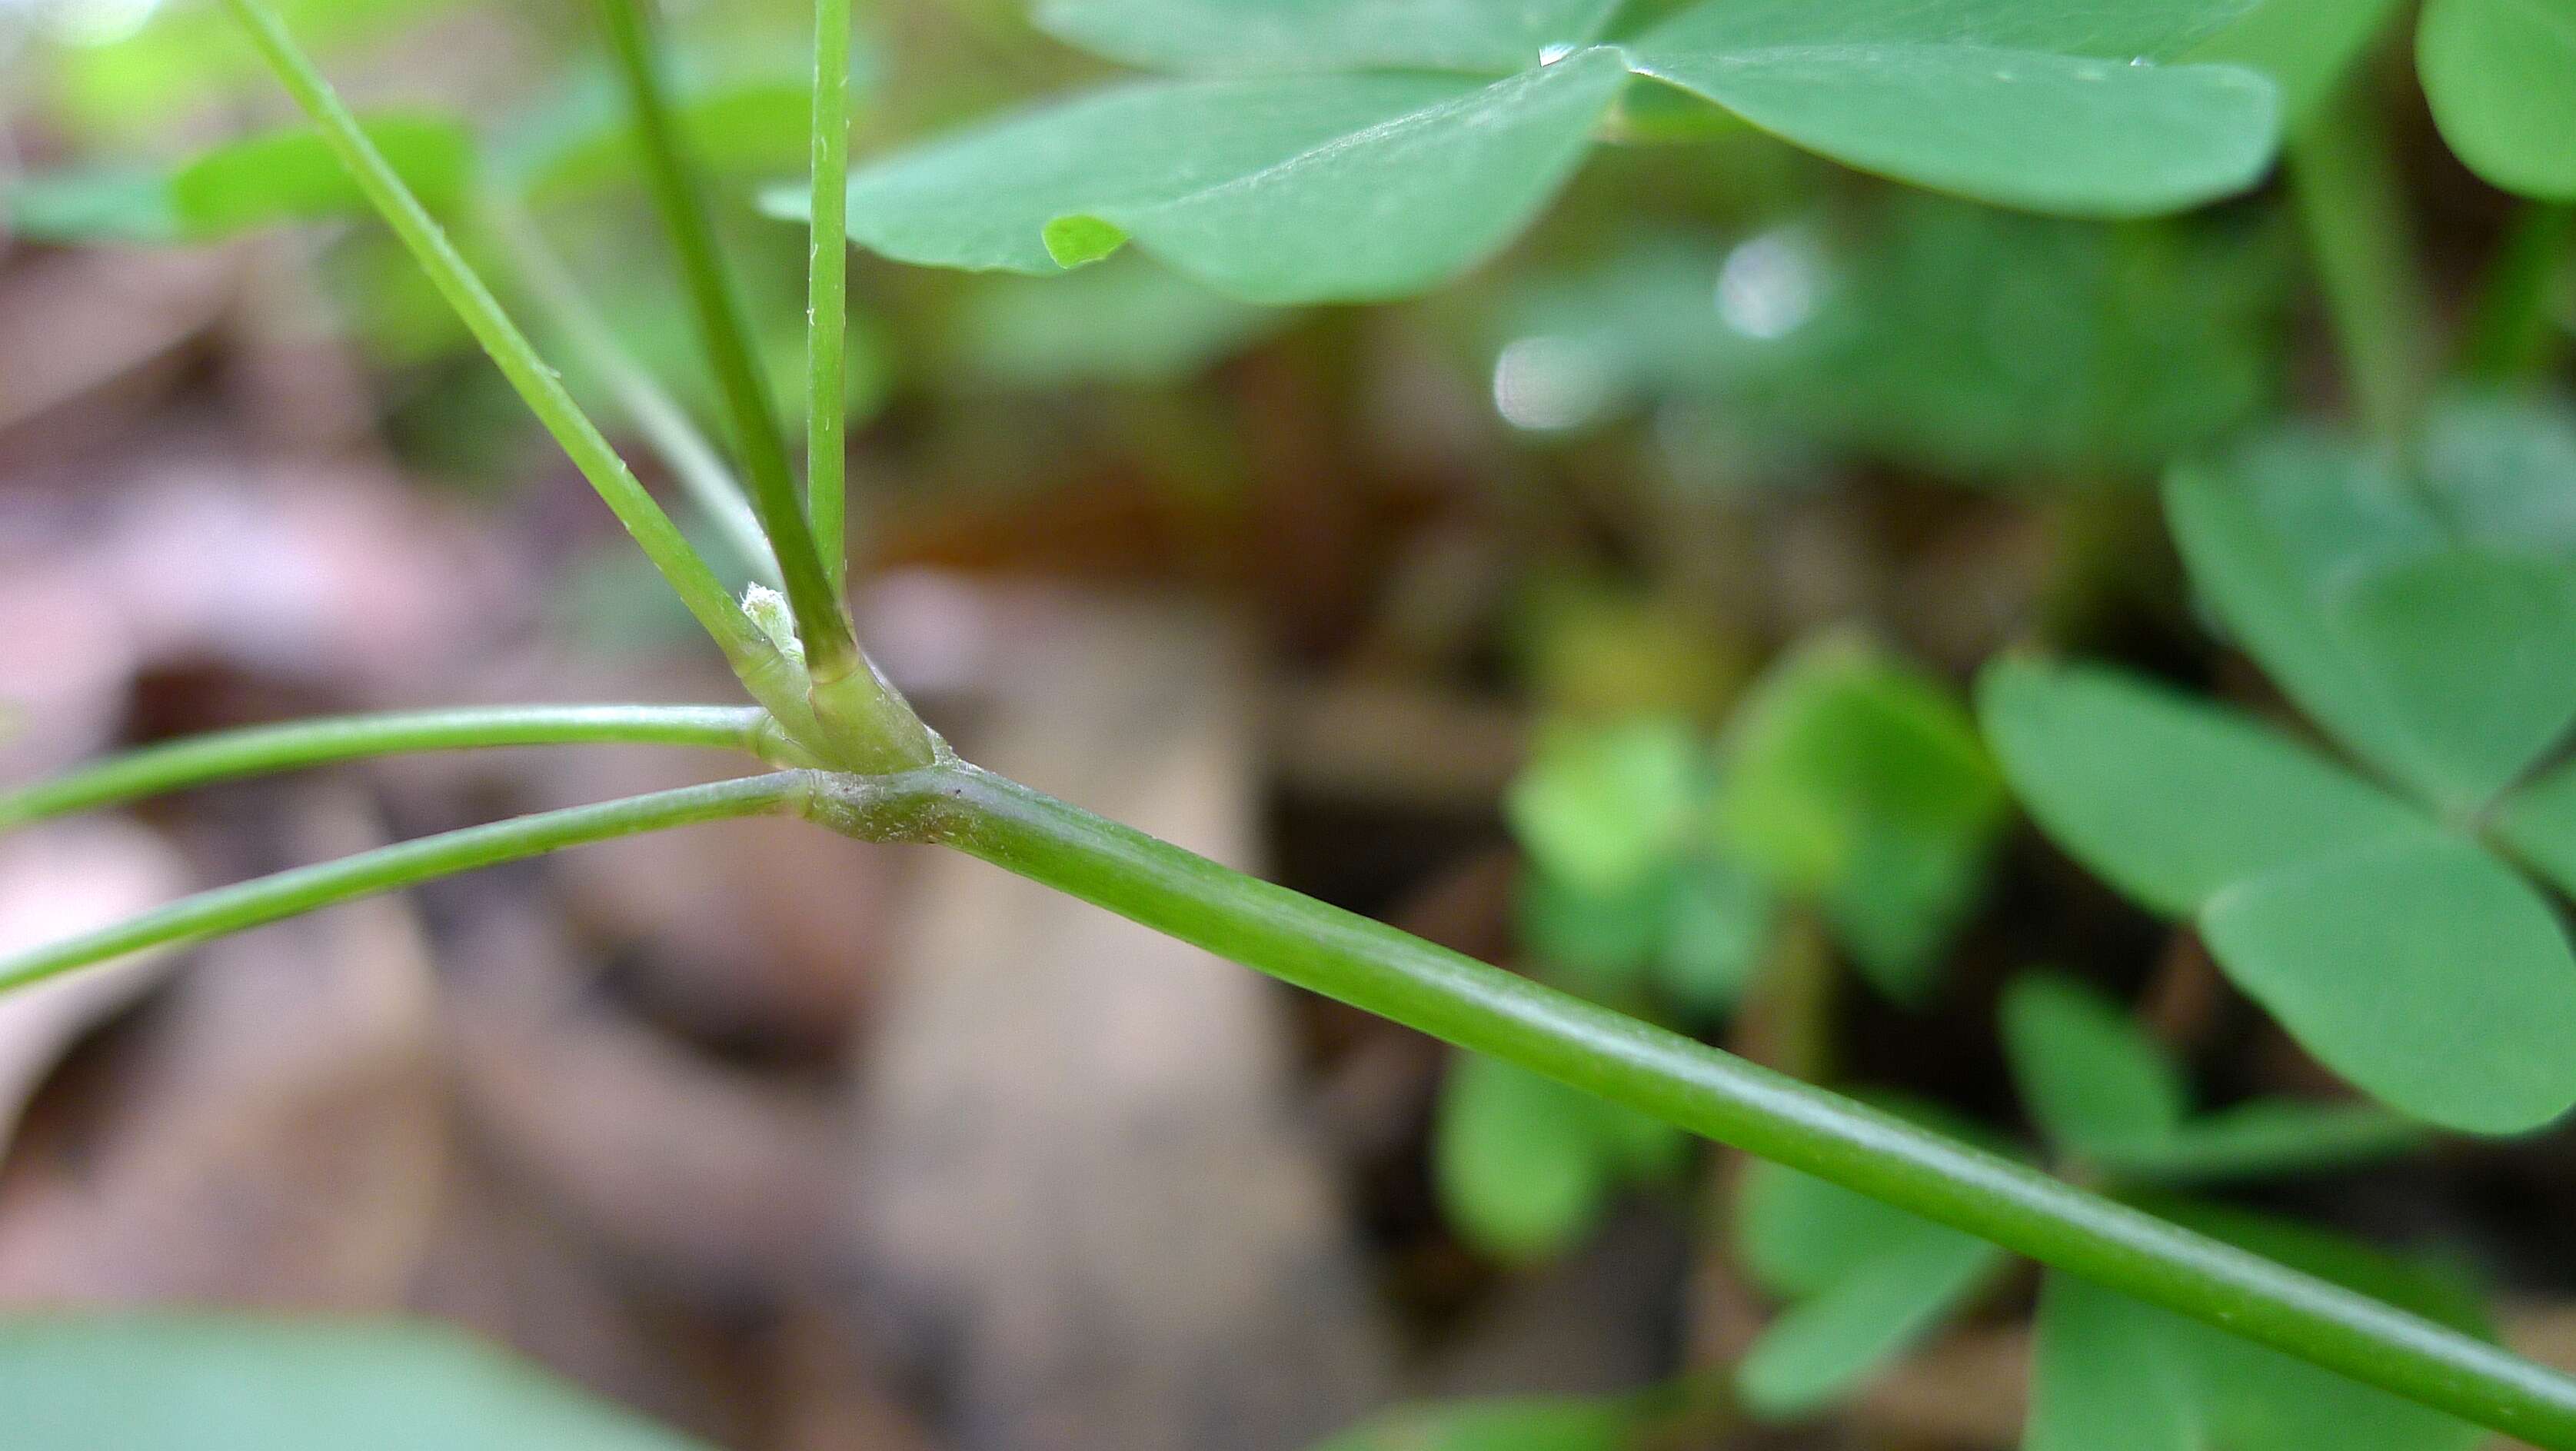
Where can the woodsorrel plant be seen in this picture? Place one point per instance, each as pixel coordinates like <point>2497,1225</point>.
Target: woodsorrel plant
<point>1420,137</point>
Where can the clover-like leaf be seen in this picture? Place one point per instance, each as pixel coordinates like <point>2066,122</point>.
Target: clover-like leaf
<point>204,1382</point>
<point>1364,149</point>
<point>1856,780</point>
<point>2406,958</point>
<point>2429,621</point>
<point>289,175</point>
<point>2501,75</point>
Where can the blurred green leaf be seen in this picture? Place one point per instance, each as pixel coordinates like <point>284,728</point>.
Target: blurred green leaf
<point>1519,1424</point>
<point>1120,322</point>
<point>2409,960</point>
<point>2094,1082</point>
<point>204,1382</point>
<point>191,52</point>
<point>744,111</point>
<point>282,176</point>
<point>1599,807</point>
<point>2268,1136</point>
<point>1717,929</point>
<point>1600,942</point>
<point>1826,1344</point>
<point>1853,778</point>
<point>2538,824</point>
<point>1525,1165</point>
<point>2501,75</point>
<point>2429,621</point>
<point>2105,1375</point>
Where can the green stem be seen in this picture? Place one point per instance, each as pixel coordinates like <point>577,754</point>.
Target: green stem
<point>2344,185</point>
<point>744,646</point>
<point>308,889</point>
<point>663,423</point>
<point>2513,335</point>
<point>821,624</point>
<point>1459,1000</point>
<point>827,297</point>
<point>262,750</point>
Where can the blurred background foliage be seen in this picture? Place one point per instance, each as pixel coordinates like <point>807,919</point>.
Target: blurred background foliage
<point>1612,614</point>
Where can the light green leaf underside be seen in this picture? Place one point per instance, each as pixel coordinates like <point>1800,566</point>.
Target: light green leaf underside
<point>1365,184</point>
<point>2417,967</point>
<point>245,1383</point>
<point>2169,799</point>
<point>2501,75</point>
<point>1274,190</point>
<point>2091,1079</point>
<point>282,176</point>
<point>1826,1345</point>
<point>2068,134</point>
<point>2104,1375</point>
<point>2429,624</point>
<point>1531,1423</point>
<point>2305,46</point>
<point>1491,37</point>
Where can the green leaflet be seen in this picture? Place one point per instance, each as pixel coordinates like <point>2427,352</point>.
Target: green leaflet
<point>2501,75</point>
<point>2105,1375</point>
<point>289,175</point>
<point>2307,47</point>
<point>2408,959</point>
<point>1437,128</point>
<point>206,1382</point>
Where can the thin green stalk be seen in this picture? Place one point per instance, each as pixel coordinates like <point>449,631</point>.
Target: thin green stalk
<point>263,750</point>
<point>830,648</point>
<point>308,889</point>
<point>2344,184</point>
<point>663,423</point>
<point>2513,336</point>
<point>769,676</point>
<point>1475,1006</point>
<point>827,296</point>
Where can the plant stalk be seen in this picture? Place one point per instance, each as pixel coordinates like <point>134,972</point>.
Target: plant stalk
<point>2344,185</point>
<point>264,750</point>
<point>308,889</point>
<point>768,675</point>
<point>1476,1006</point>
<point>827,296</point>
<point>724,333</point>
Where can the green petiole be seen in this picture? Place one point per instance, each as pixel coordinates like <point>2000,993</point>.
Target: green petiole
<point>261,750</point>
